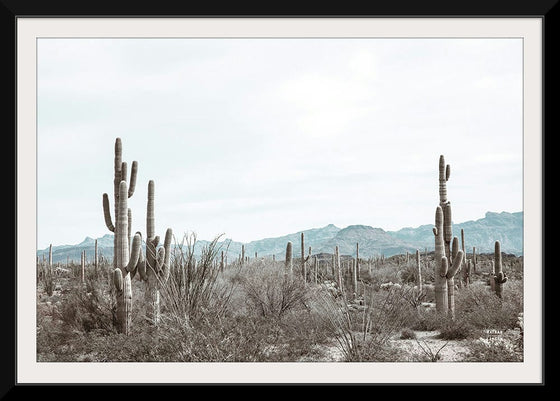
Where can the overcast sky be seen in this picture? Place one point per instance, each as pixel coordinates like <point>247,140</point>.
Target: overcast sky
<point>256,138</point>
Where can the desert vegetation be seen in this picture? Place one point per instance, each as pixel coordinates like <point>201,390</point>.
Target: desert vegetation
<point>175,302</point>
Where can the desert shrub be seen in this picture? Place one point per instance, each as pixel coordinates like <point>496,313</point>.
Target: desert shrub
<point>456,329</point>
<point>195,286</point>
<point>478,305</point>
<point>363,332</point>
<point>87,307</point>
<point>270,292</point>
<point>383,274</point>
<point>493,349</point>
<point>427,320</point>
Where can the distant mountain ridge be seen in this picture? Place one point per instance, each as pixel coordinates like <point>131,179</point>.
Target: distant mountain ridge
<point>482,233</point>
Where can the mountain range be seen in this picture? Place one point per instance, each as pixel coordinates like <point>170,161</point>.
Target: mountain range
<point>482,234</point>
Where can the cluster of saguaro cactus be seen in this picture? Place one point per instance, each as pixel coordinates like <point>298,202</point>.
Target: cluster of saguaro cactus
<point>499,276</point>
<point>128,258</point>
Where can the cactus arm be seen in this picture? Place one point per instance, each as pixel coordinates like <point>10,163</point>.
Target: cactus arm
<point>118,279</point>
<point>107,213</point>
<point>142,268</point>
<point>167,246</point>
<point>443,270</point>
<point>133,174</point>
<point>456,265</point>
<point>454,248</point>
<point>447,172</point>
<point>124,172</point>
<point>134,254</point>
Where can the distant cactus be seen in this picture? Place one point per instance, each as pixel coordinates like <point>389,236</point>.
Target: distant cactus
<point>96,260</point>
<point>354,269</point>
<point>338,269</point>
<point>500,277</point>
<point>83,266</point>
<point>418,271</point>
<point>358,262</point>
<point>288,260</point>
<point>303,264</point>
<point>467,273</point>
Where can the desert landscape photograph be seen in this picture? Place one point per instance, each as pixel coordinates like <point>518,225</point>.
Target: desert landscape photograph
<point>308,201</point>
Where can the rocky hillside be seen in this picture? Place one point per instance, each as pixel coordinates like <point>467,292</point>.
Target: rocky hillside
<point>505,227</point>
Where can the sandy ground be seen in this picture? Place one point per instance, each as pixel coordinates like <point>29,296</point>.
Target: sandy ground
<point>427,347</point>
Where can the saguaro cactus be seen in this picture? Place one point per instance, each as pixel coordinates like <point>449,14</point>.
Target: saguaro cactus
<point>338,269</point>
<point>440,285</point>
<point>121,238</point>
<point>96,260</point>
<point>358,261</point>
<point>126,263</point>
<point>288,259</point>
<point>83,266</point>
<point>303,265</point>
<point>500,277</point>
<point>418,271</point>
<point>155,270</point>
<point>467,273</point>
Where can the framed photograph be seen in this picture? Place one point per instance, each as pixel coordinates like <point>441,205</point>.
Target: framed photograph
<point>264,199</point>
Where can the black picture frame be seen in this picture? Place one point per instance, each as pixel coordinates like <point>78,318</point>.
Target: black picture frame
<point>11,10</point>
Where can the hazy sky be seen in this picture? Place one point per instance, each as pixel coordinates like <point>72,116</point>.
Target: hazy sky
<point>255,138</point>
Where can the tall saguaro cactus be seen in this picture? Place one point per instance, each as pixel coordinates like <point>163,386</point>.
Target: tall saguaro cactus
<point>122,261</point>
<point>155,271</point>
<point>445,253</point>
<point>499,276</point>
